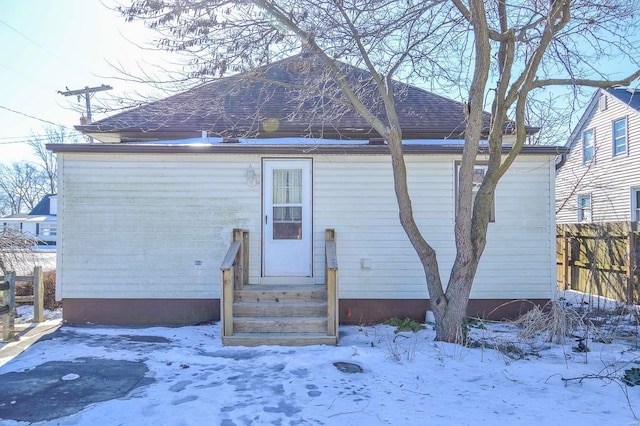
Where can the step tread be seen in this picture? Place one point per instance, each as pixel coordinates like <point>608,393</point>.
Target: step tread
<point>282,319</point>
<point>287,302</point>
<point>280,296</point>
<point>279,339</point>
<point>280,324</point>
<point>270,309</point>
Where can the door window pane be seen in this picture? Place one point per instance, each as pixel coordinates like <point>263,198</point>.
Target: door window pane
<point>287,186</point>
<point>287,223</point>
<point>287,204</point>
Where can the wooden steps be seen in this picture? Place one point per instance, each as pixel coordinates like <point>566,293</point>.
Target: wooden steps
<point>291,315</point>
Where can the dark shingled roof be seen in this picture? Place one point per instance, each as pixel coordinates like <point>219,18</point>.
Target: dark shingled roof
<point>265,103</point>
<point>626,95</point>
<point>43,207</point>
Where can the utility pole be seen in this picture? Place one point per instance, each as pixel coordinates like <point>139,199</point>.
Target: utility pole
<point>87,92</point>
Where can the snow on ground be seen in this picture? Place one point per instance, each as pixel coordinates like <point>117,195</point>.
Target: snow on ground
<point>406,378</point>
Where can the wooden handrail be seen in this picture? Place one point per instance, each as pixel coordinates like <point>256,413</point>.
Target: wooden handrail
<point>234,274</point>
<point>230,258</point>
<point>331,282</point>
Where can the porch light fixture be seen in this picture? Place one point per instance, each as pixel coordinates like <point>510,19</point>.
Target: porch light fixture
<point>252,176</point>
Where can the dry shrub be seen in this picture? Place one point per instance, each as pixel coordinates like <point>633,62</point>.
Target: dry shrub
<point>49,278</point>
<point>557,321</point>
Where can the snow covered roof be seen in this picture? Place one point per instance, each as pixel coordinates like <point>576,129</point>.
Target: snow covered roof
<point>288,145</point>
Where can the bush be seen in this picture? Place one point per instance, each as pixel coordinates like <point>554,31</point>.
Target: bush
<point>49,278</point>
<point>406,324</point>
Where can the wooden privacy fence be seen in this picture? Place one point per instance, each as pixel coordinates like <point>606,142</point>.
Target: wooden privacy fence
<point>9,299</point>
<point>600,259</point>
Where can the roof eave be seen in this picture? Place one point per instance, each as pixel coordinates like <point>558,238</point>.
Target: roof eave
<point>235,148</point>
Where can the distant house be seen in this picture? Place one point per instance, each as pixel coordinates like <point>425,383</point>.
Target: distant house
<point>599,179</point>
<point>39,225</point>
<point>146,216</point>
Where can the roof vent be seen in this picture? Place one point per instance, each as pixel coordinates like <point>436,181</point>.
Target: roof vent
<point>376,141</point>
<point>230,140</point>
<point>602,102</point>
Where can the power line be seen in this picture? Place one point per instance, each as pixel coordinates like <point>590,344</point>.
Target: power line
<point>35,118</point>
<point>25,139</point>
<point>25,76</point>
<point>31,40</point>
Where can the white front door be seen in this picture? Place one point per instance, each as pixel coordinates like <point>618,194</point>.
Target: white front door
<point>286,218</point>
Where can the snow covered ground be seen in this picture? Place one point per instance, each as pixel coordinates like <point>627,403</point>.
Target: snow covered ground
<point>406,378</point>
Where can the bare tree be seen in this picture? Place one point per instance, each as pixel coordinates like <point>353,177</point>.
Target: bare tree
<point>46,160</point>
<point>15,250</point>
<point>22,185</point>
<point>496,53</point>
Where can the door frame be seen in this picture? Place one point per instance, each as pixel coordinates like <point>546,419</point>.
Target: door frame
<point>307,216</point>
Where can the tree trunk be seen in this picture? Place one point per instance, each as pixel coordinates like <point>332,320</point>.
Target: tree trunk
<point>450,321</point>
<point>450,325</point>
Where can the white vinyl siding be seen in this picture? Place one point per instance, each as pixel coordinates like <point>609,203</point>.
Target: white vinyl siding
<point>364,212</point>
<point>134,226</point>
<point>607,178</point>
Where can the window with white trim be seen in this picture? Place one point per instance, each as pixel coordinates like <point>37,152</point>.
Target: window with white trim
<point>12,227</point>
<point>584,208</point>
<point>619,136</point>
<point>588,145</point>
<point>48,229</point>
<point>479,171</point>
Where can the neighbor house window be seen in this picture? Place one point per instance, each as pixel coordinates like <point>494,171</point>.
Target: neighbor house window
<point>619,136</point>
<point>11,227</point>
<point>584,208</point>
<point>48,229</point>
<point>587,145</point>
<point>479,172</point>
<point>635,204</point>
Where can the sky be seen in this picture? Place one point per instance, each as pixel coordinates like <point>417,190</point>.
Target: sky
<point>49,46</point>
<point>186,377</point>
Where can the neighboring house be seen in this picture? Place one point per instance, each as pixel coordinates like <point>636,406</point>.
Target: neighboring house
<point>146,217</point>
<point>39,225</point>
<point>599,179</point>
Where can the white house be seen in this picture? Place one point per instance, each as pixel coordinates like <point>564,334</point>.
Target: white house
<point>599,179</point>
<point>146,218</point>
<point>39,225</point>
